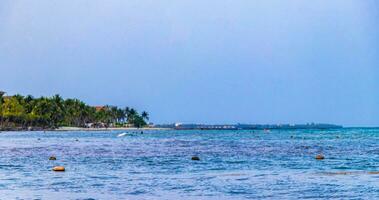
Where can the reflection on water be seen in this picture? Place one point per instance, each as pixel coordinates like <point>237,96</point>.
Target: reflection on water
<point>157,164</point>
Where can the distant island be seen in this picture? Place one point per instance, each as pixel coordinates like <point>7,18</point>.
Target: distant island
<point>179,126</point>
<point>19,112</point>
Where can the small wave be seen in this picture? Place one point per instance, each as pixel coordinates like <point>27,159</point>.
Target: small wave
<point>351,173</point>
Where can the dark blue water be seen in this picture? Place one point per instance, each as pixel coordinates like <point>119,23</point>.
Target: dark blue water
<point>158,165</point>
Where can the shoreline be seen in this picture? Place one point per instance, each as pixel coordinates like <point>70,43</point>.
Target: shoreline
<point>65,129</point>
<point>106,129</point>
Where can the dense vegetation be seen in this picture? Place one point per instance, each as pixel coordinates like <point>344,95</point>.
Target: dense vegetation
<point>51,112</point>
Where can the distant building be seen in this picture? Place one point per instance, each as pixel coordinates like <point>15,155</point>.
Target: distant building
<point>96,125</point>
<point>98,108</point>
<point>178,124</point>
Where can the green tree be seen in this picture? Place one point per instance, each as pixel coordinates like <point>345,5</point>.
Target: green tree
<point>139,122</point>
<point>2,93</point>
<point>12,112</point>
<point>145,115</point>
<point>52,112</point>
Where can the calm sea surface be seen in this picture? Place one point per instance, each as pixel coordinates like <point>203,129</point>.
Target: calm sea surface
<point>158,165</point>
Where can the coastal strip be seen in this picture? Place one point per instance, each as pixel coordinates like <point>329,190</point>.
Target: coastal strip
<point>108,129</point>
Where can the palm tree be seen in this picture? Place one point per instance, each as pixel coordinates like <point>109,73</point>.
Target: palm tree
<point>29,98</point>
<point>58,99</point>
<point>19,97</point>
<point>114,113</point>
<point>132,112</point>
<point>131,116</point>
<point>120,114</point>
<point>127,110</point>
<point>2,93</point>
<point>145,115</point>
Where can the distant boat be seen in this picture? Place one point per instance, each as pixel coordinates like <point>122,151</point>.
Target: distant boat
<point>267,130</point>
<point>121,135</point>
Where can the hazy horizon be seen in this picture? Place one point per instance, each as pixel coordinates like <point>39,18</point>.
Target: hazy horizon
<point>258,62</point>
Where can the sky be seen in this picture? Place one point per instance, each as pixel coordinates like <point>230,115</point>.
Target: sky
<point>195,61</point>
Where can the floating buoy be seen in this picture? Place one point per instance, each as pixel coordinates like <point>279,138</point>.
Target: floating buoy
<point>320,157</point>
<point>53,158</point>
<point>59,169</point>
<point>195,158</point>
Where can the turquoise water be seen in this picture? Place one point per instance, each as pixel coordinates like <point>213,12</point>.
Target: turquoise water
<point>158,165</point>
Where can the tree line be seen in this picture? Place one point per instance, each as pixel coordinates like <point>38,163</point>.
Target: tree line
<point>52,112</point>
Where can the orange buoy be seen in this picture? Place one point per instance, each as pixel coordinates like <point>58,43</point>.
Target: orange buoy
<point>59,169</point>
<point>320,157</point>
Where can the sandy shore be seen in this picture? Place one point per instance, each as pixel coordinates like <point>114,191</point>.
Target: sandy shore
<point>105,129</point>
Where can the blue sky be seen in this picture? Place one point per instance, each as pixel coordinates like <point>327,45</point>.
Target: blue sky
<point>279,61</point>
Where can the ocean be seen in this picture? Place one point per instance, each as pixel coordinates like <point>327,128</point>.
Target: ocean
<point>247,164</point>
